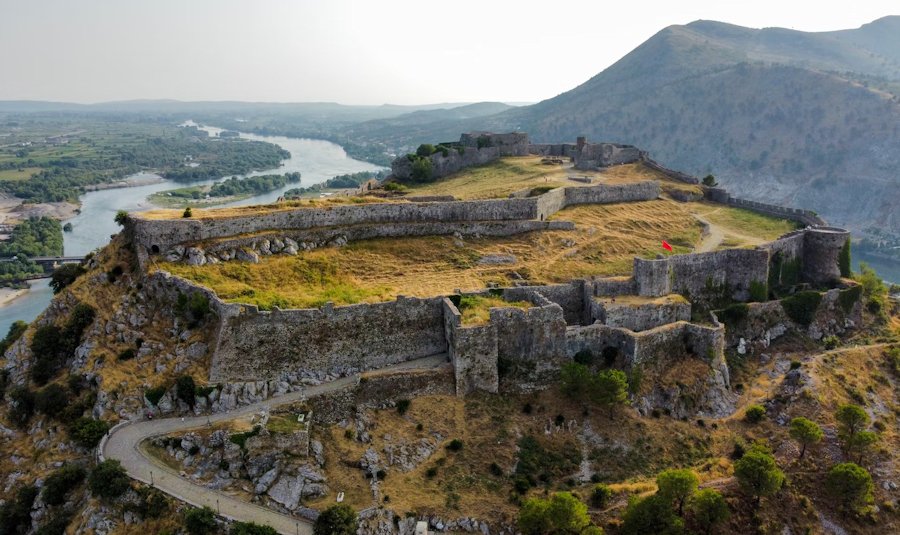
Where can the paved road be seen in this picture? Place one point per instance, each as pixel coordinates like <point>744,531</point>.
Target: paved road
<point>124,445</point>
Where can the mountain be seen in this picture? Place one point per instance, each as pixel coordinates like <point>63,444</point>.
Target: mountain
<point>802,119</point>
<point>797,118</point>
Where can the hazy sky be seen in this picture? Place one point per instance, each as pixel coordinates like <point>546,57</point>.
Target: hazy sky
<point>351,51</point>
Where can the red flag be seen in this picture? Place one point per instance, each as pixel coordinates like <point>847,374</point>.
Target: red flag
<point>666,246</point>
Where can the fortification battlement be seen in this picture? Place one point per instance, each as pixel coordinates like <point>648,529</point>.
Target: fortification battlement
<point>390,219</point>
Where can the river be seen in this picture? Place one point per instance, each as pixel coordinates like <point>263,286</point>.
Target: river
<point>316,160</point>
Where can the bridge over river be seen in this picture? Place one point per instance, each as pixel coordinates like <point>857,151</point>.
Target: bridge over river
<point>49,263</point>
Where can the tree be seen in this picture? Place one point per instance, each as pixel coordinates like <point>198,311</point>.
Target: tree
<point>108,479</point>
<point>65,275</point>
<point>422,169</point>
<point>755,413</point>
<point>708,508</point>
<point>860,444</point>
<point>200,521</point>
<point>121,218</point>
<point>15,514</point>
<point>339,519</point>
<point>186,390</point>
<point>187,212</point>
<point>805,432</point>
<point>677,485</point>
<point>610,389</point>
<point>852,419</point>
<point>844,260</point>
<point>87,432</point>
<point>758,474</point>
<point>710,181</point>
<point>425,150</point>
<point>851,485</point>
<point>251,528</point>
<point>562,513</point>
<point>575,380</point>
<point>59,483</point>
<point>51,400</point>
<point>653,514</point>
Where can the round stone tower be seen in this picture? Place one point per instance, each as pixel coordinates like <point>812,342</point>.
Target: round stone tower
<point>821,253</point>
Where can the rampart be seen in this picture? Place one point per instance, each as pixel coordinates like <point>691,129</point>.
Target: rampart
<point>322,225</point>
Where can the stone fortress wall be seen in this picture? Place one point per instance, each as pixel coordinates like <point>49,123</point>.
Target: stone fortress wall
<point>564,319</point>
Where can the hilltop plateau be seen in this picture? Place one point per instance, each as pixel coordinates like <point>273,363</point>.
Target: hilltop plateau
<point>468,349</point>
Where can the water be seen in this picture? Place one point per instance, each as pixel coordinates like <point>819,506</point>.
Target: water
<point>314,159</point>
<point>887,269</point>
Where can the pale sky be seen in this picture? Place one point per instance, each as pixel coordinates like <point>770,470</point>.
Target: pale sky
<point>352,51</point>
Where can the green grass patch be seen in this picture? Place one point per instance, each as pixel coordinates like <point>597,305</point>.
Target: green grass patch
<point>801,307</point>
<point>285,423</point>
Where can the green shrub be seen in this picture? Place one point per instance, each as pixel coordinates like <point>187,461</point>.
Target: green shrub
<point>339,519</point>
<point>21,407</point>
<point>844,259</point>
<point>653,514</point>
<point>402,406</point>
<point>425,150</point>
<point>155,394</point>
<point>758,474</point>
<point>187,212</point>
<point>805,432</point>
<point>600,496</point>
<point>87,432</point>
<point>186,390</point>
<point>801,307</point>
<point>831,341</point>
<point>849,297</point>
<point>127,354</point>
<point>422,170</point>
<point>796,364</point>
<point>60,482</point>
<point>15,514</point>
<point>56,523</point>
<point>241,438</point>
<point>455,445</point>
<point>16,330</point>
<point>250,528</point>
<point>51,400</point>
<point>394,186</point>
<point>108,480</point>
<point>755,413</point>
<point>851,485</point>
<point>65,275</point>
<point>584,357</point>
<point>734,314</point>
<point>200,521</point>
<point>121,218</point>
<point>759,292</point>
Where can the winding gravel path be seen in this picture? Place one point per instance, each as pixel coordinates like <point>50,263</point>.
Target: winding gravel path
<point>124,444</point>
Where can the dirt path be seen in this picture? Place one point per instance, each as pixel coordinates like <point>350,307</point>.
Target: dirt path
<point>124,445</point>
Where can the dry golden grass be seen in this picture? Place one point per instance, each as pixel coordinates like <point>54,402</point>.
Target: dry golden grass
<point>507,175</point>
<point>604,242</point>
<point>640,300</point>
<point>476,309</point>
<point>237,211</point>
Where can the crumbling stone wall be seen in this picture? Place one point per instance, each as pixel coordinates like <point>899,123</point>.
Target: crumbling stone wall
<point>379,390</point>
<point>569,297</point>
<point>363,221</point>
<point>511,144</point>
<point>607,194</point>
<point>532,339</point>
<point>473,352</point>
<point>703,276</point>
<point>255,344</point>
<point>564,150</point>
<point>640,316</point>
<point>594,155</point>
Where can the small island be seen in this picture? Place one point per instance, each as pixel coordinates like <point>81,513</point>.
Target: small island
<point>232,189</point>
